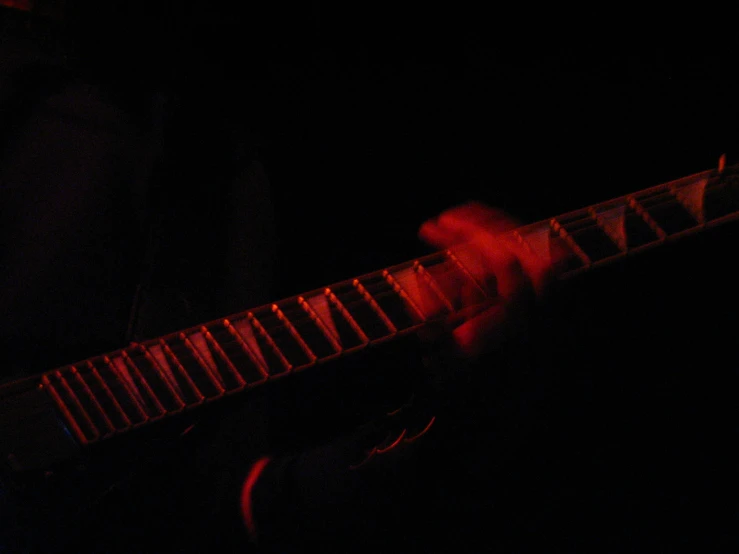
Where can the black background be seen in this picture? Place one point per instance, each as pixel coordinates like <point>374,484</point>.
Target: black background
<point>371,119</point>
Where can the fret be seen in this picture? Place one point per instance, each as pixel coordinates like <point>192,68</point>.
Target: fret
<point>106,395</point>
<point>278,339</point>
<point>692,197</point>
<point>634,205</point>
<point>721,196</point>
<point>122,372</point>
<point>576,221</point>
<point>625,226</point>
<point>127,395</point>
<point>612,220</point>
<point>202,367</point>
<point>366,318</point>
<point>306,328</point>
<point>335,302</point>
<point>160,396</point>
<point>260,347</point>
<point>236,366</point>
<point>152,403</point>
<point>422,301</point>
<point>392,304</point>
<point>155,354</point>
<point>374,305</point>
<point>65,410</point>
<point>332,338</point>
<point>569,241</point>
<point>638,231</point>
<point>523,243</point>
<point>337,326</point>
<point>445,286</point>
<point>187,386</point>
<point>433,285</point>
<point>199,343</point>
<point>163,377</point>
<point>536,239</point>
<point>231,378</point>
<point>117,410</point>
<point>90,399</point>
<point>257,361</point>
<point>83,415</point>
<point>299,339</point>
<point>262,332</point>
<point>402,293</point>
<point>174,376</point>
<point>590,237</point>
<point>480,287</point>
<point>667,211</point>
<point>204,384</point>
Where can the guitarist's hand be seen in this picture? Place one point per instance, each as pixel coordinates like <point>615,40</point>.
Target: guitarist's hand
<point>329,475</point>
<point>510,274</point>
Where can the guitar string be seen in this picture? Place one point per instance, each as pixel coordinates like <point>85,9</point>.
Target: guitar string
<point>592,224</point>
<point>573,217</point>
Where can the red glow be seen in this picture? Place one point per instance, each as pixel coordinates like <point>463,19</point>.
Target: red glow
<point>423,431</point>
<point>247,507</point>
<point>393,444</point>
<point>18,4</point>
<point>403,438</point>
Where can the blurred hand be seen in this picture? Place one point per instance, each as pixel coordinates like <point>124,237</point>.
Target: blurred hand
<point>511,275</point>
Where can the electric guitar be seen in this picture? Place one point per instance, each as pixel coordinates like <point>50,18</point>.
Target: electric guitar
<point>68,415</point>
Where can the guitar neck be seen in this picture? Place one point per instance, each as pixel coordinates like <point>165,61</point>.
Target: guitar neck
<point>111,394</point>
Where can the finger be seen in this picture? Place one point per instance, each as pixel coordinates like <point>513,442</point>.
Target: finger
<point>539,271</point>
<point>495,268</point>
<point>472,218</point>
<point>462,222</point>
<point>466,222</point>
<point>481,334</point>
<point>485,227</point>
<point>491,268</point>
<point>435,235</point>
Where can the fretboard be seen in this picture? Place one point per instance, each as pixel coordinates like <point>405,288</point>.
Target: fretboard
<point>107,395</point>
